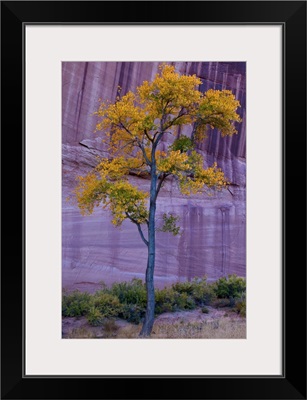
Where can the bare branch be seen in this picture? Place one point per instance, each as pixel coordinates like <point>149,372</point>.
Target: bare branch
<point>229,191</point>
<point>141,234</point>
<point>159,138</point>
<point>158,135</point>
<point>180,114</point>
<point>160,184</point>
<point>135,139</point>
<point>139,227</point>
<point>148,137</point>
<point>121,125</point>
<point>141,146</point>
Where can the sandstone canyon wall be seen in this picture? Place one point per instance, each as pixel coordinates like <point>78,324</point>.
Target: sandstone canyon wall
<point>213,239</point>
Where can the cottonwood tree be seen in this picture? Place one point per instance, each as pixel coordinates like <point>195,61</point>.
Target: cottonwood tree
<point>134,126</point>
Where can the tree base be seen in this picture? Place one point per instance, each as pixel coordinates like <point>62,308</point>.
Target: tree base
<point>146,328</point>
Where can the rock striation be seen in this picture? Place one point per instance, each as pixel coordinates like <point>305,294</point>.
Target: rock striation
<point>213,229</point>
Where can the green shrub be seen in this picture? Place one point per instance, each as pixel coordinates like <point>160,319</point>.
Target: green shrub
<point>132,313</point>
<point>198,289</point>
<point>165,300</point>
<point>133,292</point>
<point>240,305</point>
<point>128,300</point>
<point>202,292</point>
<point>94,316</point>
<point>168,300</point>
<point>185,302</point>
<point>183,287</point>
<point>230,287</point>
<point>76,304</point>
<point>107,304</point>
<point>205,310</point>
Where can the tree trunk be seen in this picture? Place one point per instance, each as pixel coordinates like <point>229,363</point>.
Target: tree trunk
<point>150,288</point>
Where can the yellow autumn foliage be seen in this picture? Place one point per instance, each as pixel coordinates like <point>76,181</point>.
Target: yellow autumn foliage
<point>173,162</point>
<point>122,198</point>
<point>134,127</point>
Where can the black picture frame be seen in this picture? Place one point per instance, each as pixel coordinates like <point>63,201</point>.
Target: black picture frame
<point>292,16</point>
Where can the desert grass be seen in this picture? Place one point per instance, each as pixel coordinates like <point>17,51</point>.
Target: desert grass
<point>216,329</point>
<point>224,328</point>
<point>81,333</point>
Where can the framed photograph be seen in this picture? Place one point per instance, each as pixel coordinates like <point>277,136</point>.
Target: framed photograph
<point>159,149</point>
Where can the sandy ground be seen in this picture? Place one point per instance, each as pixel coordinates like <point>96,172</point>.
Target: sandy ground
<point>80,328</point>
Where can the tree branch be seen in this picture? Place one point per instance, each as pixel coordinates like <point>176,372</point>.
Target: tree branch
<point>126,144</point>
<point>163,128</point>
<point>180,114</point>
<point>158,139</point>
<point>121,125</point>
<point>160,134</point>
<point>229,191</point>
<point>195,126</point>
<point>143,151</point>
<point>148,137</point>
<point>139,144</point>
<point>139,228</point>
<point>142,234</point>
<point>160,184</point>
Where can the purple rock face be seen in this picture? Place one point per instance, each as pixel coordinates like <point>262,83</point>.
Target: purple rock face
<point>213,229</point>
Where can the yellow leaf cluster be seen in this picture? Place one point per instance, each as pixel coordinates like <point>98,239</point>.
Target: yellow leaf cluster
<point>211,177</point>
<point>90,192</point>
<point>124,123</point>
<point>174,161</point>
<point>217,109</point>
<point>113,169</point>
<point>107,186</point>
<point>126,200</point>
<point>169,93</point>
